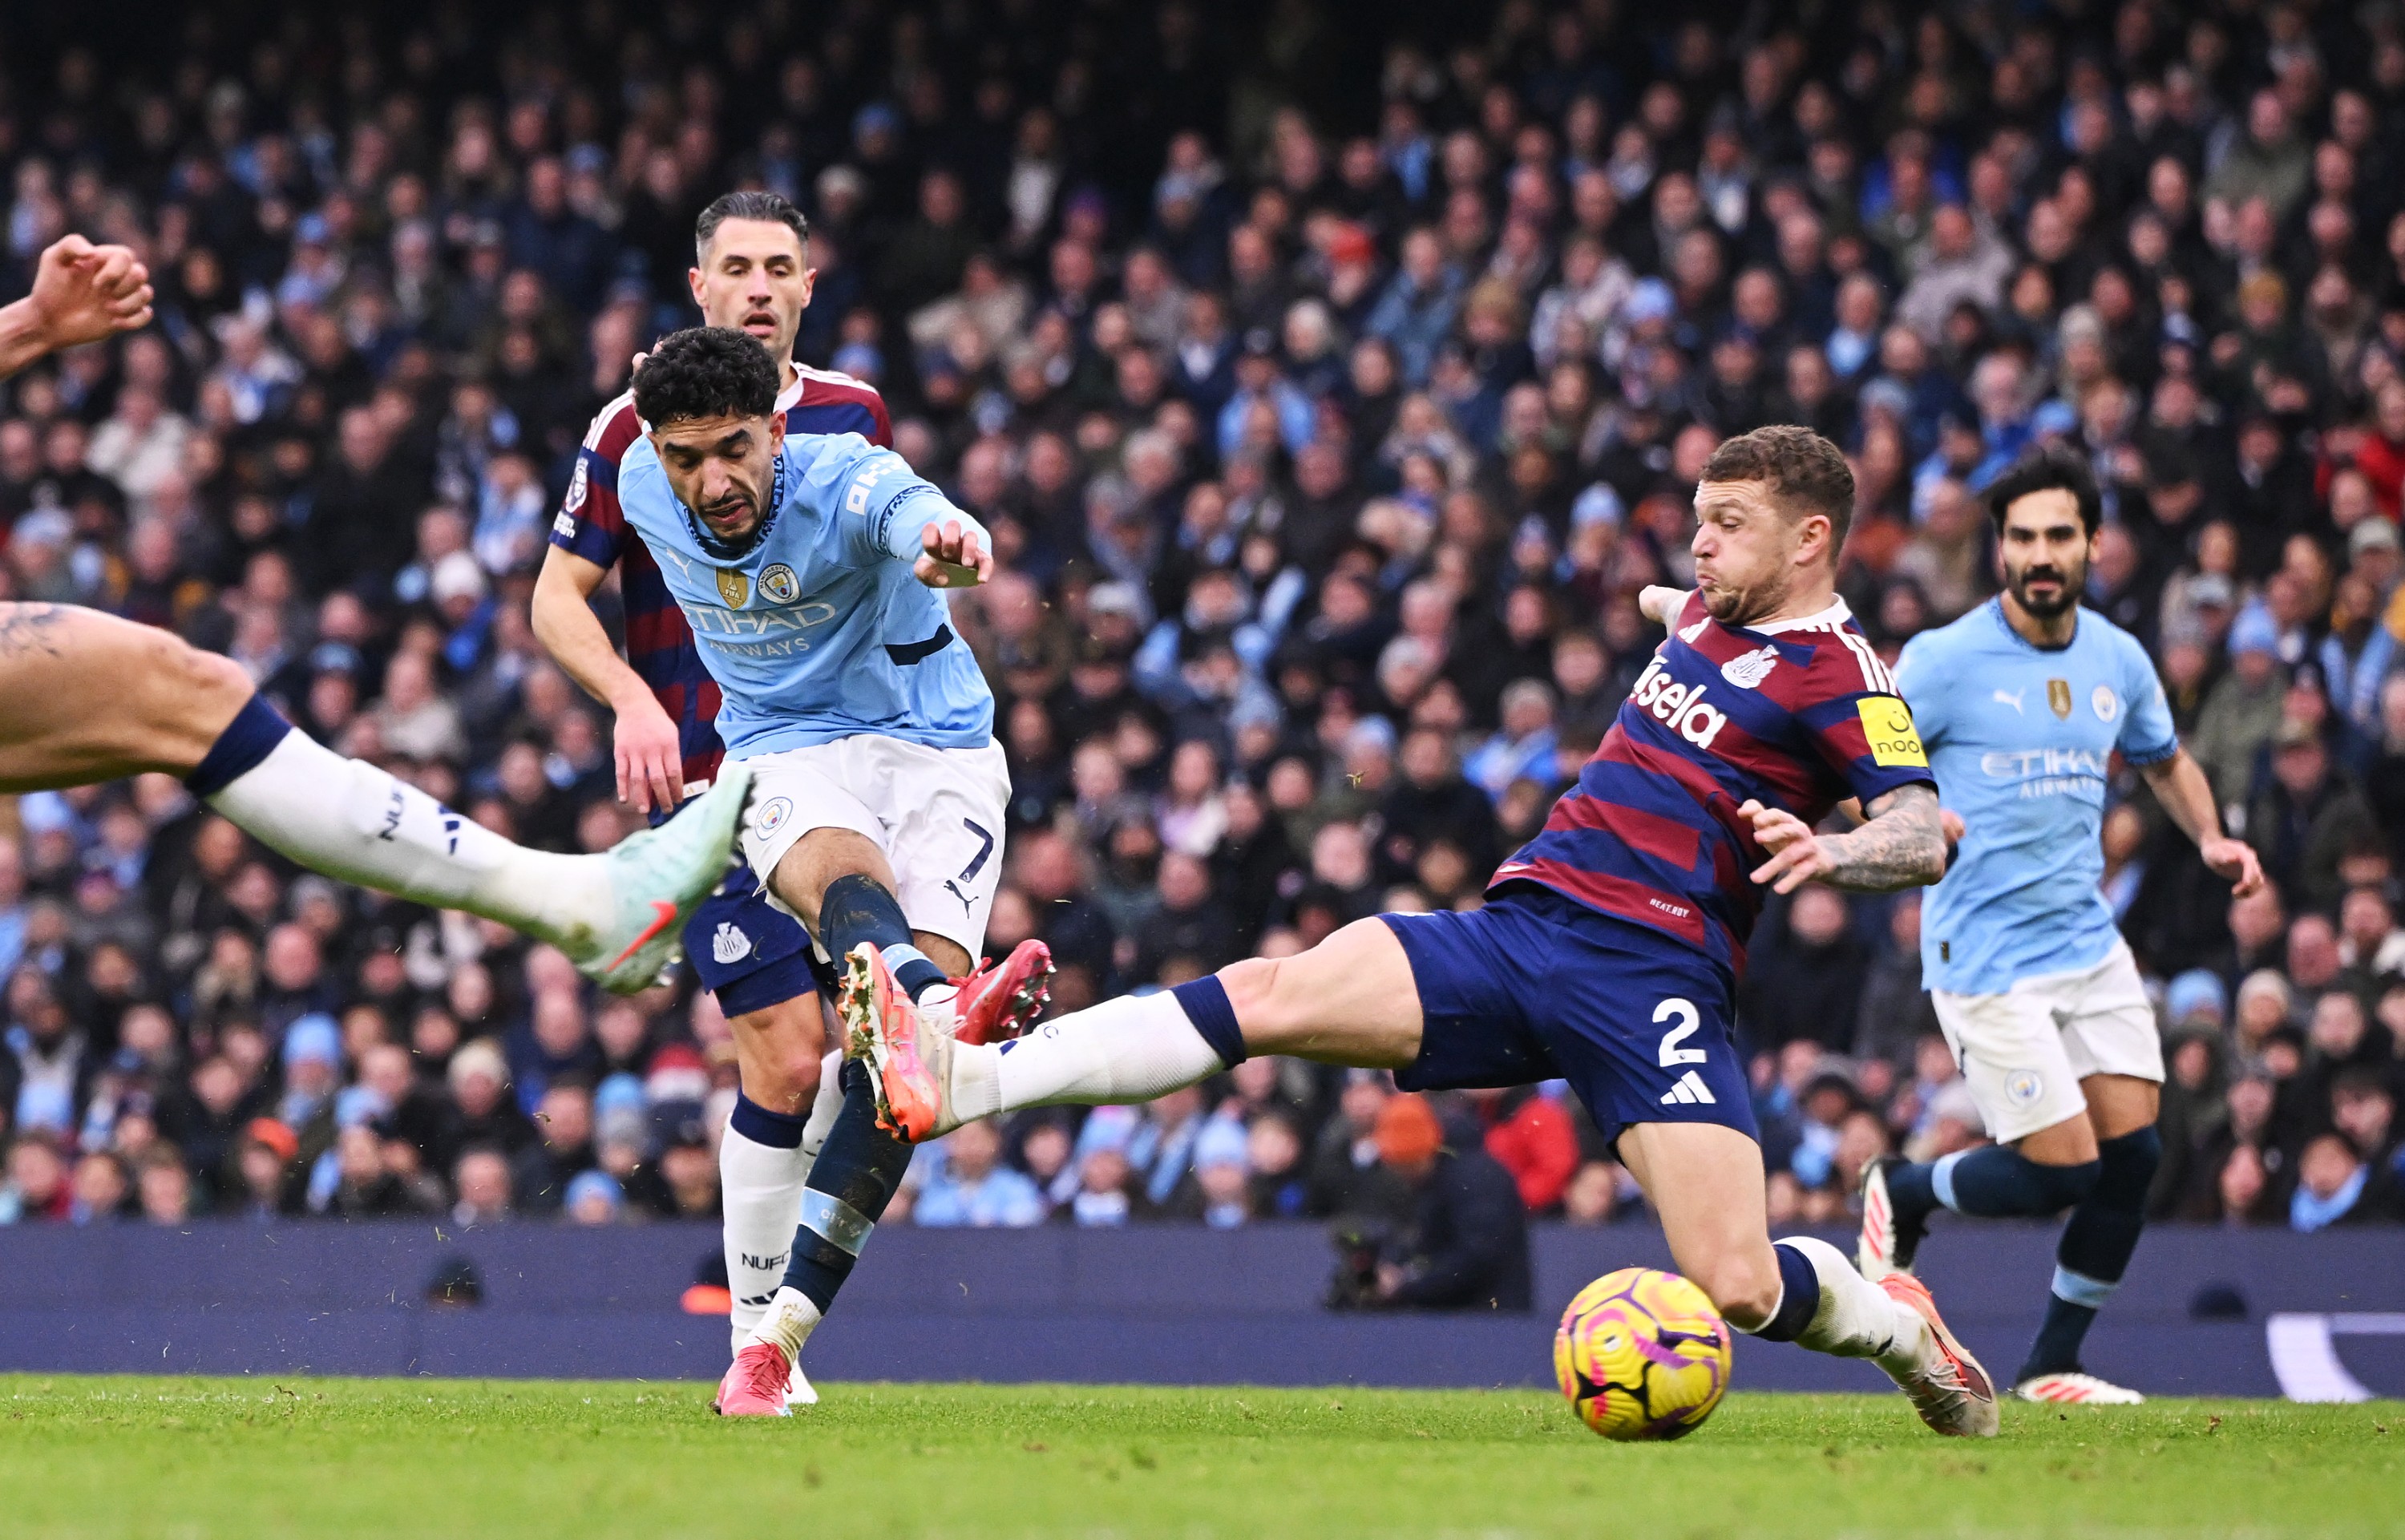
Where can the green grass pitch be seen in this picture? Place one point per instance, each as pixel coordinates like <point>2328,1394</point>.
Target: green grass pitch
<point>256,1458</point>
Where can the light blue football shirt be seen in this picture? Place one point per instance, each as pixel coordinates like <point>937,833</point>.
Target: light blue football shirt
<point>2020,739</point>
<point>819,631</point>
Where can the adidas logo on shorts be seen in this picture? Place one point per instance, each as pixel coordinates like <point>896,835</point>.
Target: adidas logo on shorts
<point>1689,1091</point>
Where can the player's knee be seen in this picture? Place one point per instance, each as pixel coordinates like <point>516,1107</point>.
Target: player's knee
<point>187,697</point>
<point>785,1085</point>
<point>2126,1167</point>
<point>1743,1287</point>
<point>2066,1185</point>
<point>782,1055</point>
<point>196,675</point>
<point>1253,993</point>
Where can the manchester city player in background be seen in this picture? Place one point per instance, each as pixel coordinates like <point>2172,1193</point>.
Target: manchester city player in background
<point>808,567</point>
<point>2021,704</point>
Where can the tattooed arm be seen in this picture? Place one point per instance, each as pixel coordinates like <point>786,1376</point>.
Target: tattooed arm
<point>1902,845</point>
<point>26,628</point>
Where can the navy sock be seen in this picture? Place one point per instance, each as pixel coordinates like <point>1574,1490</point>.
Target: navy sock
<point>2096,1249</point>
<point>777,1130</point>
<point>1913,1190</point>
<point>1997,1182</point>
<point>1799,1297</point>
<point>856,908</point>
<point>1207,1005</point>
<point>850,1183</point>
<point>250,738</point>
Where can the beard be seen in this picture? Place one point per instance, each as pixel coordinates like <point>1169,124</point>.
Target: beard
<point>2067,586</point>
<point>1733,606</point>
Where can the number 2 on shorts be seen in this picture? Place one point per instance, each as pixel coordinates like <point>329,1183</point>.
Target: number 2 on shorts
<point>1688,1017</point>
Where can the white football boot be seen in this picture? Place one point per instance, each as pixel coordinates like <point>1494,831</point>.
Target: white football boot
<point>2073,1388</point>
<point>1949,1389</point>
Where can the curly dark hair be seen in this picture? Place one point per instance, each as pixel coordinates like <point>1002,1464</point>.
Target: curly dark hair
<point>1807,473</point>
<point>705,371</point>
<point>2053,467</point>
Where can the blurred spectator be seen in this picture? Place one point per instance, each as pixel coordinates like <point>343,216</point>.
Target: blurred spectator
<point>1532,1135</point>
<point>1465,1244</point>
<point>165,1187</point>
<point>37,1187</point>
<point>970,1186</point>
<point>481,1179</point>
<point>595,1198</point>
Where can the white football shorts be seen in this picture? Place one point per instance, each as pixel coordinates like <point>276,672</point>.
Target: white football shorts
<point>2024,1053</point>
<point>937,813</point>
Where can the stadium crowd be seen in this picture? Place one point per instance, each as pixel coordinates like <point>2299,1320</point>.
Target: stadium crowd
<point>1330,388</point>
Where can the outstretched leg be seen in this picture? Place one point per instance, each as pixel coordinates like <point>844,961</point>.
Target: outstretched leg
<point>2036,1177</point>
<point>1705,1181</point>
<point>87,696</point>
<point>1350,1000</point>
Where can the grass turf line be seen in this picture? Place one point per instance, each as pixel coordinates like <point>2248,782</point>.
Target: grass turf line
<point>251,1457</point>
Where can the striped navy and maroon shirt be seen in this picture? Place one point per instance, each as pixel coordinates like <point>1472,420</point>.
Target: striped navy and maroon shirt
<point>1798,714</point>
<point>659,643</point>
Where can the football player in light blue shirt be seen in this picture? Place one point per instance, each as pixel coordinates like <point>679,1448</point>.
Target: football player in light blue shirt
<point>808,567</point>
<point>821,617</point>
<point>2022,705</point>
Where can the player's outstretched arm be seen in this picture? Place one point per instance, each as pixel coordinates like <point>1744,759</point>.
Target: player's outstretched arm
<point>908,518</point>
<point>82,293</point>
<point>2180,785</point>
<point>1659,604</point>
<point>1903,844</point>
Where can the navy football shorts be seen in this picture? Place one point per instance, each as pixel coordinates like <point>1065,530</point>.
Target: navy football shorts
<point>748,954</point>
<point>1536,987</point>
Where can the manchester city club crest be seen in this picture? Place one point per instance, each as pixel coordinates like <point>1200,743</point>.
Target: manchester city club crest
<point>2058,697</point>
<point>733,588</point>
<point>778,586</point>
<point>2106,703</point>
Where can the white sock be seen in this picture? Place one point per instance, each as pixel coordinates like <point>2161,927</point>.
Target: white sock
<point>760,1187</point>
<point>352,821</point>
<point>822,1112</point>
<point>1129,1049</point>
<point>1858,1319</point>
<point>790,1319</point>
